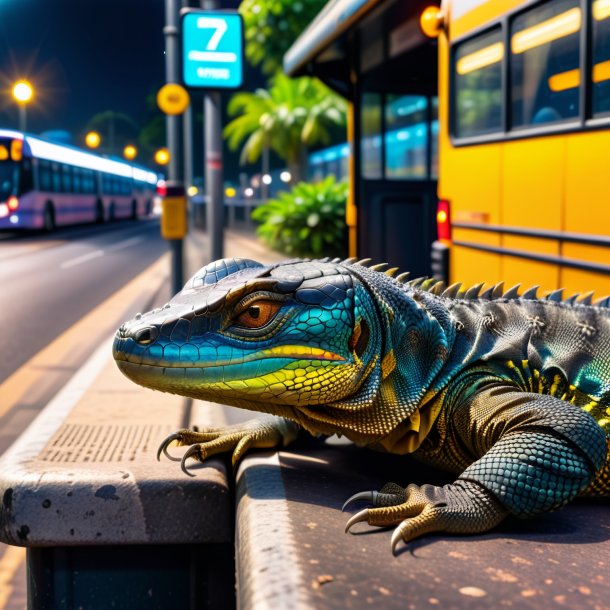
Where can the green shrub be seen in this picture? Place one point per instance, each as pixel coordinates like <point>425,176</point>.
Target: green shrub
<point>307,221</point>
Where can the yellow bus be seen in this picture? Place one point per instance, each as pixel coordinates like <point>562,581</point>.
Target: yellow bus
<point>524,140</point>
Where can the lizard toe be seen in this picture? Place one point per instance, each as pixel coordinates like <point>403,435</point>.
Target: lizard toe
<point>389,495</point>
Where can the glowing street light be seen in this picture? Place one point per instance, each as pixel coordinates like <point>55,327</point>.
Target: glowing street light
<point>162,156</point>
<point>285,176</point>
<point>249,192</point>
<point>130,152</point>
<point>93,139</point>
<point>267,179</point>
<point>23,93</point>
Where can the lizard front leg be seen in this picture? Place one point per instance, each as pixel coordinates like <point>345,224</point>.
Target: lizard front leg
<point>529,454</point>
<point>264,432</point>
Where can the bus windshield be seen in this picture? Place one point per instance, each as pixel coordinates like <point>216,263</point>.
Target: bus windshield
<point>9,179</point>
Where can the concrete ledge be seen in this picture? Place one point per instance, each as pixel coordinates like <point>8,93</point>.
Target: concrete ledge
<point>85,471</point>
<point>292,551</point>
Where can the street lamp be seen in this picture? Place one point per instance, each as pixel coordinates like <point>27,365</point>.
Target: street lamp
<point>93,139</point>
<point>130,152</point>
<point>23,93</point>
<point>162,156</point>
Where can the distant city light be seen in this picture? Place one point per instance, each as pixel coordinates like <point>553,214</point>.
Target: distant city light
<point>248,192</point>
<point>92,139</point>
<point>162,156</point>
<point>130,152</point>
<point>23,91</point>
<point>192,191</point>
<point>267,179</point>
<point>285,176</point>
<point>230,192</point>
<point>255,182</point>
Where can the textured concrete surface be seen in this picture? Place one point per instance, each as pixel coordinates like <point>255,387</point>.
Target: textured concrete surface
<point>561,560</point>
<point>91,475</point>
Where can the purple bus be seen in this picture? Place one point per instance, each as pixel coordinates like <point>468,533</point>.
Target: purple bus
<point>44,184</point>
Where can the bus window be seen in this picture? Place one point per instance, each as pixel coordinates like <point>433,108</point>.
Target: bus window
<point>478,85</point>
<point>56,173</point>
<point>26,179</point>
<point>90,184</point>
<point>77,175</point>
<point>370,141</point>
<point>545,54</point>
<point>601,58</point>
<point>406,137</point>
<point>66,178</point>
<point>44,175</point>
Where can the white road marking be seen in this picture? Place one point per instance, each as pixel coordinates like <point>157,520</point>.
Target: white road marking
<point>127,243</point>
<point>82,259</point>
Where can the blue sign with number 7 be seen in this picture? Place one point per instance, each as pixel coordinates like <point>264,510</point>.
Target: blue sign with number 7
<point>212,49</point>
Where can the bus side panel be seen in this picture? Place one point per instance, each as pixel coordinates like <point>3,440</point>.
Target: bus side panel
<point>532,197</point>
<point>587,208</point>
<point>472,182</point>
<point>73,208</point>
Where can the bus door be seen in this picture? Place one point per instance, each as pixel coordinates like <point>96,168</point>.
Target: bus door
<point>395,143</point>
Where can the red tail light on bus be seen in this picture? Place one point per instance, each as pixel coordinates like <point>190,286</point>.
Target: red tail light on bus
<point>443,220</point>
<point>12,203</point>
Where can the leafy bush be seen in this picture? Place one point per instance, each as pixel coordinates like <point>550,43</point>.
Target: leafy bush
<point>307,221</point>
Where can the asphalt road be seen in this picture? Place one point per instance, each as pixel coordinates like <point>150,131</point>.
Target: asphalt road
<point>47,282</point>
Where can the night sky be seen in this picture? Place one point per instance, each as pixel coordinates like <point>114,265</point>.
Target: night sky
<point>82,56</point>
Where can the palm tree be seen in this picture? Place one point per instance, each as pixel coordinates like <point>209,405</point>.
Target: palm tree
<point>290,116</point>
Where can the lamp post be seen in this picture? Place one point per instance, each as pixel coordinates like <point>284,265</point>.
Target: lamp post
<point>93,139</point>
<point>23,93</point>
<point>162,156</point>
<point>130,152</point>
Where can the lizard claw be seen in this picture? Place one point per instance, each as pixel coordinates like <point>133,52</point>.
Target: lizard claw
<point>367,496</point>
<point>363,515</point>
<point>190,452</point>
<point>175,436</point>
<point>397,538</point>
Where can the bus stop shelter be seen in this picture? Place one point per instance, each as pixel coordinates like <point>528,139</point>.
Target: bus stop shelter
<point>374,54</point>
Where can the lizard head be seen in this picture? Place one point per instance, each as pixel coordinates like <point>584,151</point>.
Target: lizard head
<point>306,340</point>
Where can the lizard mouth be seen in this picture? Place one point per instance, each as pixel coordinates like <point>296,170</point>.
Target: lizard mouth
<point>192,358</point>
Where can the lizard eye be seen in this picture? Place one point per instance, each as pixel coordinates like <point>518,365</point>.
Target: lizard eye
<point>258,314</point>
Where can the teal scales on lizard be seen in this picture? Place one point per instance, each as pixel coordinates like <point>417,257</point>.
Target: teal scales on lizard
<point>510,392</point>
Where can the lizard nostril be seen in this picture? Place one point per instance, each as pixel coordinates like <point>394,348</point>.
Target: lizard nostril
<point>145,336</point>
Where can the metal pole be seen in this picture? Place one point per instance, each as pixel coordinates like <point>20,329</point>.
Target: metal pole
<point>22,117</point>
<point>214,175</point>
<point>174,127</point>
<point>188,147</point>
<point>187,133</point>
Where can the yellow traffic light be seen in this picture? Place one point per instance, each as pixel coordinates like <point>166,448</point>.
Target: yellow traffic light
<point>23,92</point>
<point>162,156</point>
<point>130,152</point>
<point>92,139</point>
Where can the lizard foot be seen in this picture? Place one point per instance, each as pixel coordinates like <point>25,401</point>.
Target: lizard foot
<point>463,507</point>
<point>264,433</point>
